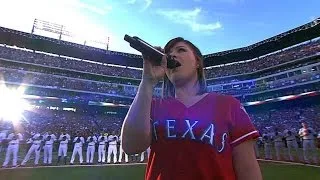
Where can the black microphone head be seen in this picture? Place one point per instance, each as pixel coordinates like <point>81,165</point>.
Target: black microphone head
<point>149,50</point>
<point>126,37</point>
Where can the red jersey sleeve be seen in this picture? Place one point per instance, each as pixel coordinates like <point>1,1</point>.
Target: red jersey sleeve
<point>242,128</point>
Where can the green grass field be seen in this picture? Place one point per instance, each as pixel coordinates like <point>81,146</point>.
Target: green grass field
<point>270,171</point>
<point>275,171</point>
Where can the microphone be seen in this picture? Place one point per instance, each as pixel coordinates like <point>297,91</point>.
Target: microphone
<point>146,49</point>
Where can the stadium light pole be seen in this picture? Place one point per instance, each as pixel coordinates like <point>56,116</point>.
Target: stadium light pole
<point>60,32</point>
<point>108,43</point>
<point>50,27</point>
<point>104,43</point>
<point>32,30</point>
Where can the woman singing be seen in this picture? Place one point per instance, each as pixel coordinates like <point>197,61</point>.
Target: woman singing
<point>193,134</point>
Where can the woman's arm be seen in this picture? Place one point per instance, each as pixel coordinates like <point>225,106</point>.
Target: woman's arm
<point>136,128</point>
<point>245,163</point>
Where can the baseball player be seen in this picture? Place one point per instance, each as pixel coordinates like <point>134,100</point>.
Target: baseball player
<point>308,140</point>
<point>35,147</point>
<point>290,137</point>
<point>47,149</point>
<point>63,146</point>
<point>121,152</point>
<point>142,154</point>
<point>13,148</point>
<point>28,145</point>
<point>256,147</point>
<point>278,143</point>
<point>3,135</point>
<point>112,139</point>
<point>91,140</point>
<point>267,145</point>
<point>102,148</point>
<point>77,149</point>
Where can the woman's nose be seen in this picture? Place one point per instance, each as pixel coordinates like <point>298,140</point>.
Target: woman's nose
<point>173,55</point>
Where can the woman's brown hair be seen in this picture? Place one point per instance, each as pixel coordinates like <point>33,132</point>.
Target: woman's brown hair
<point>168,88</point>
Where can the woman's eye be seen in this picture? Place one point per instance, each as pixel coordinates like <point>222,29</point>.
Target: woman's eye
<point>181,50</point>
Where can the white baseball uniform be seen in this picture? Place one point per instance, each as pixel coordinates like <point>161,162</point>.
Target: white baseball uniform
<point>91,148</point>
<point>112,149</point>
<point>34,148</point>
<point>13,148</point>
<point>309,147</point>
<point>63,145</point>
<point>47,149</point>
<point>256,147</point>
<point>292,143</point>
<point>3,135</point>
<point>77,149</point>
<point>142,154</point>
<point>267,145</point>
<point>102,149</point>
<point>278,144</point>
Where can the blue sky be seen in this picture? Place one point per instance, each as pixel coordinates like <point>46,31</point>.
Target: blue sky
<point>213,25</point>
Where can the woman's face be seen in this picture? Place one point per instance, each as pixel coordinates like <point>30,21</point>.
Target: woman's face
<point>183,53</point>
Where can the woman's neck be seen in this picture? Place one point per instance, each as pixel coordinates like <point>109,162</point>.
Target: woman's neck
<point>190,89</point>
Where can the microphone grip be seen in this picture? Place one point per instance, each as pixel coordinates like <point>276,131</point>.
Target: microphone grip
<point>147,49</point>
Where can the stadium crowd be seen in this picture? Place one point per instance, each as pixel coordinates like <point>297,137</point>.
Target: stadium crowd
<point>307,49</point>
<point>235,79</point>
<point>286,118</point>
<point>66,63</point>
<point>62,82</point>
<point>299,79</point>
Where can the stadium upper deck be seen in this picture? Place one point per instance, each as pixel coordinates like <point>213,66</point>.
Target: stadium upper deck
<point>292,37</point>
